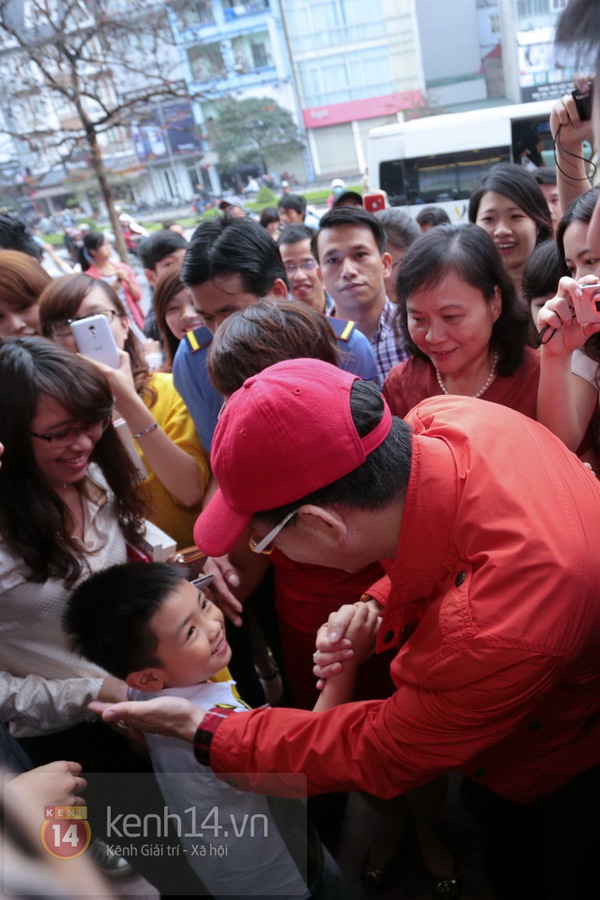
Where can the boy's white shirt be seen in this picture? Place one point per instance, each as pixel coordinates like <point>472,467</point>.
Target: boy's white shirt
<point>248,864</point>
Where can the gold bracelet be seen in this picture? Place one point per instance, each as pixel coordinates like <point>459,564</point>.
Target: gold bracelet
<point>146,431</point>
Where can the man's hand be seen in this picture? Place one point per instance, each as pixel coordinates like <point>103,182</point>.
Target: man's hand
<point>171,716</point>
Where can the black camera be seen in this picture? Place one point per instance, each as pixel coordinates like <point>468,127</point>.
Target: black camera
<point>583,102</point>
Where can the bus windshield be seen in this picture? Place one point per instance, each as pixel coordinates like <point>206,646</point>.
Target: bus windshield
<point>429,179</point>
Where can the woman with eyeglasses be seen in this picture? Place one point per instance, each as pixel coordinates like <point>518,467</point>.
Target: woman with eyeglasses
<point>68,505</point>
<point>176,466</point>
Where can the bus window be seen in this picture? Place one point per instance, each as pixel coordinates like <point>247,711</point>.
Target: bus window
<point>431,179</point>
<point>391,180</point>
<point>530,139</point>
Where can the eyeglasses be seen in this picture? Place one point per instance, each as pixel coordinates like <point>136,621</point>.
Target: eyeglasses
<point>63,438</point>
<point>266,545</point>
<point>307,265</point>
<point>61,329</point>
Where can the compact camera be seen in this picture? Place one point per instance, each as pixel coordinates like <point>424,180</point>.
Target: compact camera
<point>587,307</point>
<point>583,102</point>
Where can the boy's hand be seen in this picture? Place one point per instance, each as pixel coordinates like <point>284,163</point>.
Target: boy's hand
<point>334,645</point>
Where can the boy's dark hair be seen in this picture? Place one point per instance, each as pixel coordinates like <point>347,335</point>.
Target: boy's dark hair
<point>238,246</point>
<point>352,215</point>
<point>155,247</point>
<point>370,486</point>
<point>293,201</point>
<point>107,616</point>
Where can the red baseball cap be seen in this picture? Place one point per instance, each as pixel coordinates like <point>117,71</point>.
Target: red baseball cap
<point>286,432</point>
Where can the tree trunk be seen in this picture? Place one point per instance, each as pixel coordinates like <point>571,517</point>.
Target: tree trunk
<point>100,172</point>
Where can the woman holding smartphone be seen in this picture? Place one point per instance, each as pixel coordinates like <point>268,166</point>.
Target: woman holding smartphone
<point>165,438</point>
<point>69,507</point>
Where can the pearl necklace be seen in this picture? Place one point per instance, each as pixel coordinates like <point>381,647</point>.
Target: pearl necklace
<point>482,390</point>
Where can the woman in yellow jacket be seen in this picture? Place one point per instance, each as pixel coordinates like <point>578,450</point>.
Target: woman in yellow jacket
<point>174,465</point>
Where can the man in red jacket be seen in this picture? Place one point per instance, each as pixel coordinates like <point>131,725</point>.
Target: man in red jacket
<point>488,528</point>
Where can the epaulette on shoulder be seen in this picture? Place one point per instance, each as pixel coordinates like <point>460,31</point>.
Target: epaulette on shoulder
<point>199,339</point>
<point>342,328</point>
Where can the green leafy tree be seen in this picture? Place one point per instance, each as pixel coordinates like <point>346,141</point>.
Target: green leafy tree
<point>253,131</point>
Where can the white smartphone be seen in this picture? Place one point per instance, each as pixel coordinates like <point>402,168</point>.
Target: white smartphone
<point>95,340</point>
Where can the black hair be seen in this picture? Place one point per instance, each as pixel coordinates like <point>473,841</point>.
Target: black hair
<point>400,230</point>
<point>433,216</point>
<point>293,201</point>
<point>516,183</point>
<point>239,246</point>
<point>264,334</point>
<point>352,215</point>
<point>545,175</point>
<point>578,30</point>
<point>268,215</point>
<point>14,236</point>
<point>579,211</point>
<point>293,234</point>
<point>469,252</point>
<point>152,249</point>
<point>91,241</point>
<point>34,520</point>
<point>380,481</point>
<point>107,616</point>
<point>541,272</point>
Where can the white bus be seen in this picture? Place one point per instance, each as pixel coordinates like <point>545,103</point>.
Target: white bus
<point>439,160</point>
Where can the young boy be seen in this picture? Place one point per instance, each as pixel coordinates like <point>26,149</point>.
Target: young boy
<point>149,626</point>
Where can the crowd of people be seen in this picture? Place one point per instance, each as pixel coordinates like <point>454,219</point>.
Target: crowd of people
<point>380,434</point>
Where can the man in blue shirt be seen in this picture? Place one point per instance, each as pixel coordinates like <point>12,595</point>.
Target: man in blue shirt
<point>230,265</point>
